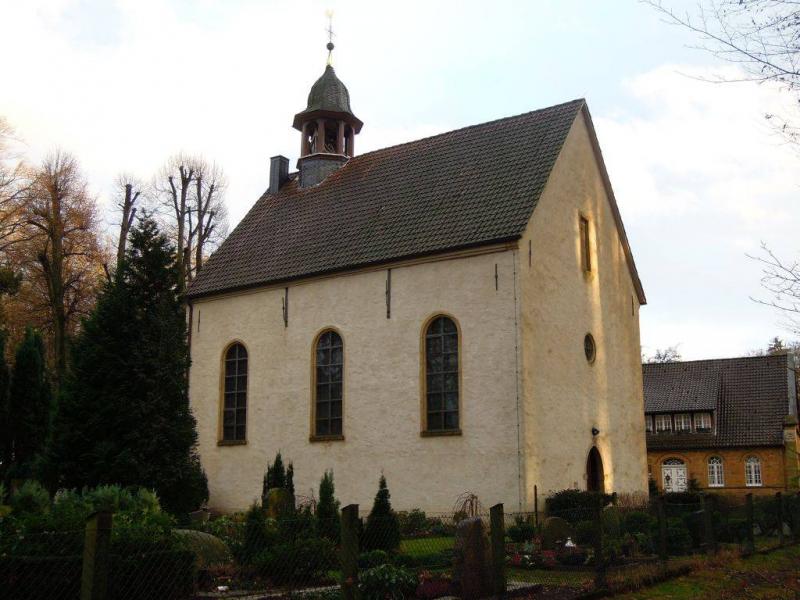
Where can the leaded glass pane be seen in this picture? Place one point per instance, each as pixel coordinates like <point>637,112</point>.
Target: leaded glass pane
<point>234,418</point>
<point>329,355</point>
<point>441,366</point>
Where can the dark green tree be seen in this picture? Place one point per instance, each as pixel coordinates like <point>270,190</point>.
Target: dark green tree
<point>5,410</point>
<point>124,414</point>
<point>277,476</point>
<point>328,509</point>
<point>382,531</point>
<point>29,405</point>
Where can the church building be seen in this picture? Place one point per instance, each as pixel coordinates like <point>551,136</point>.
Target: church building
<point>459,313</point>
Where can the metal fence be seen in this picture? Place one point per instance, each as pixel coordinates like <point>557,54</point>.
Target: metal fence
<point>560,553</point>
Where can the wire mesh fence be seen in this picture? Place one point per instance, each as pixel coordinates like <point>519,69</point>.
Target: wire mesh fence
<point>41,565</point>
<point>562,552</point>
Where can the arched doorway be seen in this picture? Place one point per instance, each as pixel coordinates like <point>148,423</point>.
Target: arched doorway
<point>673,475</point>
<point>595,477</point>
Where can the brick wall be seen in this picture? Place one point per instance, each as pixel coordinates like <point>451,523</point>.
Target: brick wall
<point>773,474</point>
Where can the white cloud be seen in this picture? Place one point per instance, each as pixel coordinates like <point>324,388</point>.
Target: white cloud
<point>701,180</point>
<point>699,177</point>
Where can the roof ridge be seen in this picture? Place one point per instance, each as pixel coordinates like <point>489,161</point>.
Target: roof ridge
<point>699,360</point>
<point>582,101</point>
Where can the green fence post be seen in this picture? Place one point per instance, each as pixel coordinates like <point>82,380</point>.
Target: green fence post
<point>779,502</point>
<point>498,535</point>
<point>349,552</point>
<point>708,524</point>
<point>751,543</point>
<point>600,582</point>
<point>96,557</point>
<point>662,529</point>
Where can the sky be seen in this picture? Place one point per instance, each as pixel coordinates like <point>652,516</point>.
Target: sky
<point>700,177</point>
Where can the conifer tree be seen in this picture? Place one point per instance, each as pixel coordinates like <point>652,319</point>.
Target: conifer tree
<point>5,410</point>
<point>29,399</point>
<point>382,531</point>
<point>277,476</point>
<point>124,415</point>
<point>328,509</point>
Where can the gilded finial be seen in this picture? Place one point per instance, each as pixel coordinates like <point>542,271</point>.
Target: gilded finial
<point>329,46</point>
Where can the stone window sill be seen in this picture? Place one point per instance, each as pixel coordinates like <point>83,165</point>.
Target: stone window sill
<point>231,442</point>
<point>326,438</point>
<point>445,433</point>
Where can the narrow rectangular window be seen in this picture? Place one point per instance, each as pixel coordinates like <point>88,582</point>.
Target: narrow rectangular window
<point>663,423</point>
<point>586,257</point>
<point>702,422</point>
<point>683,422</point>
<point>648,424</point>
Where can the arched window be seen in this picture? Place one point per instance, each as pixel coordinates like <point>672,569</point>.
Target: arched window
<point>441,376</point>
<point>752,471</point>
<point>328,377</point>
<point>234,408</point>
<point>716,475</point>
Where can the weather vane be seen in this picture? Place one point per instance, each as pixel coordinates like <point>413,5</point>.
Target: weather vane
<point>329,14</point>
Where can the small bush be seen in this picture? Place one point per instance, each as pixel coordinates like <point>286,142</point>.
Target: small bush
<point>433,586</point>
<point>386,582</point>
<point>301,561</point>
<point>572,557</point>
<point>413,523</point>
<point>521,531</point>
<point>585,533</point>
<point>575,505</point>
<point>256,535</point>
<point>638,522</point>
<point>679,540</point>
<point>175,569</point>
<point>30,498</point>
<point>373,558</point>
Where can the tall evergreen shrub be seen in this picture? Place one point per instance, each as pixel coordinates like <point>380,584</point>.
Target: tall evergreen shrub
<point>382,531</point>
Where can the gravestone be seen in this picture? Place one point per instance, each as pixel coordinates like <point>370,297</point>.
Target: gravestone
<point>555,532</point>
<point>471,569</point>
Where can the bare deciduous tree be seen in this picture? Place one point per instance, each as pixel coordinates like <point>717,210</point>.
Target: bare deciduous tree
<point>761,36</point>
<point>130,189</point>
<point>209,212</point>
<point>781,280</point>
<point>667,355</point>
<point>191,194</point>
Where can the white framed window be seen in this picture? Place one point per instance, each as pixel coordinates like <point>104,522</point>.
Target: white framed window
<point>716,474</point>
<point>648,424</point>
<point>702,422</point>
<point>683,422</point>
<point>663,423</point>
<point>752,472</point>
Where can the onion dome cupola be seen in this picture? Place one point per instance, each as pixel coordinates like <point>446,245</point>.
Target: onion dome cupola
<point>327,126</point>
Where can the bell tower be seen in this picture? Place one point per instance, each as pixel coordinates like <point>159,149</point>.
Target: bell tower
<point>327,126</point>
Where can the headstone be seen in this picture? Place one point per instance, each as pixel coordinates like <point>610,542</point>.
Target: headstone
<point>555,533</point>
<point>471,569</point>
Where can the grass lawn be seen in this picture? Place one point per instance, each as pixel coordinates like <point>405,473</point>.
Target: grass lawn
<point>423,546</point>
<point>774,576</point>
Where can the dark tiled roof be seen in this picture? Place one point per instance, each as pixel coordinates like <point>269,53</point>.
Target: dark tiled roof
<point>328,94</point>
<point>750,397</point>
<point>469,187</point>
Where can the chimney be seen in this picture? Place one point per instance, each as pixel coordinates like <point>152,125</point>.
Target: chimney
<point>278,173</point>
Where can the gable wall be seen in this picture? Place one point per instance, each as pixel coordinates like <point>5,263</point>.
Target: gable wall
<point>564,395</point>
<point>382,397</point>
